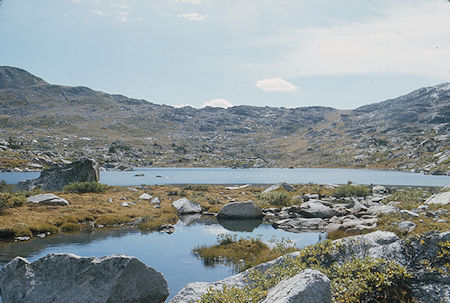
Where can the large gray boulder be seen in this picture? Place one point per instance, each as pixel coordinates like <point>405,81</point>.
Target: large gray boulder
<point>240,210</point>
<point>315,209</point>
<point>68,278</point>
<point>58,176</point>
<point>47,199</point>
<point>309,286</point>
<point>185,206</point>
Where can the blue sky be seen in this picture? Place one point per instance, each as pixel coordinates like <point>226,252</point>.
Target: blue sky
<point>288,53</point>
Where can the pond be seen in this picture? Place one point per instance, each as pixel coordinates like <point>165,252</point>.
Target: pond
<point>170,254</point>
<point>152,176</point>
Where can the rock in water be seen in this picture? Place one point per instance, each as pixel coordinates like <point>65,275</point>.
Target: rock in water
<point>240,210</point>
<point>185,206</point>
<point>69,278</point>
<point>309,286</point>
<point>55,178</point>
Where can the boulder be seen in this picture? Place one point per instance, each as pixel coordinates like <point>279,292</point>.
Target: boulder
<point>315,209</point>
<point>309,286</point>
<point>185,206</point>
<point>155,200</point>
<point>283,185</point>
<point>47,199</point>
<point>439,198</point>
<point>406,226</point>
<point>379,190</point>
<point>145,196</point>
<point>382,209</point>
<point>240,210</point>
<point>58,176</point>
<point>69,278</point>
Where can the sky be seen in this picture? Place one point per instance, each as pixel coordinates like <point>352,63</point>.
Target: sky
<point>283,53</point>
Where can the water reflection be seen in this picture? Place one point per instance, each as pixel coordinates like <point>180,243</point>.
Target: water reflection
<point>248,225</point>
<point>169,254</point>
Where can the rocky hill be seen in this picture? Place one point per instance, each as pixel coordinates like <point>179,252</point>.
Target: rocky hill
<point>41,124</point>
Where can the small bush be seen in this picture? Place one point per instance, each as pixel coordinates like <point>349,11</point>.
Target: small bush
<point>197,187</point>
<point>240,254</point>
<point>4,187</point>
<point>409,198</point>
<point>351,191</point>
<point>85,187</point>
<point>70,227</point>
<point>10,200</point>
<point>276,198</point>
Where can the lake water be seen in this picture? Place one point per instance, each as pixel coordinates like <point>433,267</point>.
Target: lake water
<point>169,254</point>
<point>154,176</point>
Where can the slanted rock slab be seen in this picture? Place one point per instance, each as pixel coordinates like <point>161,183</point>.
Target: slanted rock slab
<point>240,210</point>
<point>439,198</point>
<point>69,278</point>
<point>185,206</point>
<point>309,286</point>
<point>47,199</point>
<point>316,209</point>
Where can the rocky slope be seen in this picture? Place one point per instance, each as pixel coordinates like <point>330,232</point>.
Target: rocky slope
<point>41,124</point>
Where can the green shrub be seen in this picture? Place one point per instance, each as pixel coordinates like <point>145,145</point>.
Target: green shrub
<point>3,186</point>
<point>276,198</point>
<point>85,187</point>
<point>410,198</point>
<point>357,280</point>
<point>10,200</point>
<point>197,187</point>
<point>351,191</point>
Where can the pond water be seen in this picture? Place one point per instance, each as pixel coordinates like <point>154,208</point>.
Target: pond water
<point>152,176</point>
<point>169,254</point>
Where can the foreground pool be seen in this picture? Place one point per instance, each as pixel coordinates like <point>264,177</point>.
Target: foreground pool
<point>169,254</point>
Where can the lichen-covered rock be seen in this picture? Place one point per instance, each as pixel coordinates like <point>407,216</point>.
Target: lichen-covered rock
<point>185,206</point>
<point>309,286</point>
<point>67,278</point>
<point>240,210</point>
<point>58,176</point>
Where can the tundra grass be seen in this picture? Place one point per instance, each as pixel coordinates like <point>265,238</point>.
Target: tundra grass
<point>95,209</point>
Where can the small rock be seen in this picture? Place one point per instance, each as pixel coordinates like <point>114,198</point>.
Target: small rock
<point>145,196</point>
<point>407,226</point>
<point>47,199</point>
<point>411,213</point>
<point>155,200</point>
<point>185,206</point>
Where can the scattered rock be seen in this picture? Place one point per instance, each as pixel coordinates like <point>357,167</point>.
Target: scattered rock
<point>145,196</point>
<point>155,200</point>
<point>185,206</point>
<point>283,185</point>
<point>70,278</point>
<point>382,209</point>
<point>240,210</point>
<point>379,190</point>
<point>406,226</point>
<point>408,212</point>
<point>316,209</point>
<point>47,199</point>
<point>58,176</point>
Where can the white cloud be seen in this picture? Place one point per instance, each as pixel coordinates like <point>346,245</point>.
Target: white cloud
<point>217,103</point>
<point>190,1</point>
<point>404,39</point>
<point>193,16</point>
<point>275,85</point>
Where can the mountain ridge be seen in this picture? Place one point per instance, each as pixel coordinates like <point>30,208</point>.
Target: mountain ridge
<point>43,117</point>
